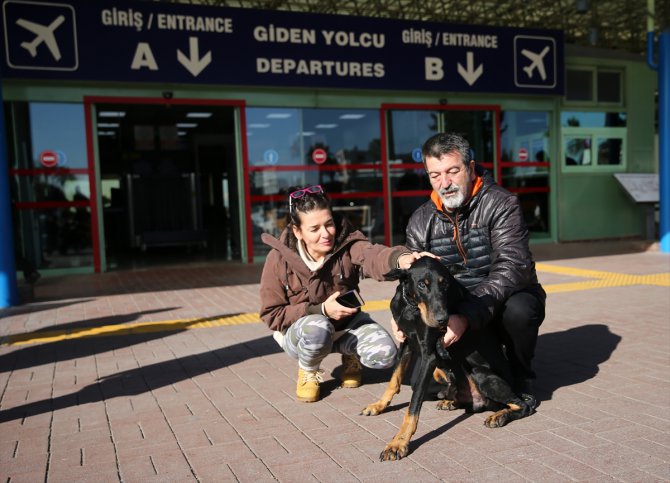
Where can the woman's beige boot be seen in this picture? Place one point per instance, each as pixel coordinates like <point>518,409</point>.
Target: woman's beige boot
<point>352,372</point>
<point>308,389</point>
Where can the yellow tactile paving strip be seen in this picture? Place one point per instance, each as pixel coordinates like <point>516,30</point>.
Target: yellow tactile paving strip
<point>594,279</point>
<point>598,279</point>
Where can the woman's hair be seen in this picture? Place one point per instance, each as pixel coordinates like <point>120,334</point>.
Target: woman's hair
<point>308,202</point>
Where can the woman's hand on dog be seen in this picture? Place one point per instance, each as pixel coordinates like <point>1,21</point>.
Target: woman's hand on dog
<point>336,311</point>
<point>406,259</point>
<point>456,327</point>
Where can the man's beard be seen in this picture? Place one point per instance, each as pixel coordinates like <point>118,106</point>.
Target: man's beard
<point>455,200</point>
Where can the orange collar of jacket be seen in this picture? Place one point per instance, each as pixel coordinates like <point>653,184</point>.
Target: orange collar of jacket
<point>475,188</point>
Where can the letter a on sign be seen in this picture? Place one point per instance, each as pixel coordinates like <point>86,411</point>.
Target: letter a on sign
<point>144,57</point>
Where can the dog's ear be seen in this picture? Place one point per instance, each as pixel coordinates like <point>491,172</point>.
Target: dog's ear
<point>395,274</point>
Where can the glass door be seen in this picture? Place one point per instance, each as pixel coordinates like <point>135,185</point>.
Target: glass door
<point>405,128</point>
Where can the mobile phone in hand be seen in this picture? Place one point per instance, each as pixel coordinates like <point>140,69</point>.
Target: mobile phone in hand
<point>351,299</point>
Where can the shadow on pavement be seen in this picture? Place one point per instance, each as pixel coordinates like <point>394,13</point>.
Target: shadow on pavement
<point>88,345</point>
<point>146,378</point>
<point>570,357</point>
<point>34,308</point>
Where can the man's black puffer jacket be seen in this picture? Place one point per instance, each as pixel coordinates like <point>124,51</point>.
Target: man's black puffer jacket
<point>485,245</point>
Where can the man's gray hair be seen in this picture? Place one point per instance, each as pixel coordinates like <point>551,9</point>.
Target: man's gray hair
<point>444,143</point>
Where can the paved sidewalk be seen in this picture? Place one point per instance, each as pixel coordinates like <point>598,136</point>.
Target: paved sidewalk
<point>167,375</point>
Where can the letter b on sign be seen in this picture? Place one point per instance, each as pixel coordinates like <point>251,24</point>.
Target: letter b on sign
<point>434,69</point>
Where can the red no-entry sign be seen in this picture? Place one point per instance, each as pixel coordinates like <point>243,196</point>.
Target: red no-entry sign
<point>319,156</point>
<point>523,154</point>
<point>48,159</point>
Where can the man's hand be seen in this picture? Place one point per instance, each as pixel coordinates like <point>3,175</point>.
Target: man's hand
<point>397,333</point>
<point>405,260</point>
<point>334,310</point>
<point>456,327</point>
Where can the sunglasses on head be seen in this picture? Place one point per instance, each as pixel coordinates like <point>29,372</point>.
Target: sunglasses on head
<point>297,194</point>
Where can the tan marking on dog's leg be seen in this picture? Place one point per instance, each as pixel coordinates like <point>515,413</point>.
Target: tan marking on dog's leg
<point>399,445</point>
<point>392,389</point>
<point>440,376</point>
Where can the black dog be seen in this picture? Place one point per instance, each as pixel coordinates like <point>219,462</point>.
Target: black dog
<point>425,297</point>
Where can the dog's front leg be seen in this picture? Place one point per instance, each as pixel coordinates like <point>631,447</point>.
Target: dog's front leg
<point>399,445</point>
<point>393,387</point>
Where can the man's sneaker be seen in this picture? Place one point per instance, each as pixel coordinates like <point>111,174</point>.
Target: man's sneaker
<point>307,389</point>
<point>526,392</point>
<point>352,372</point>
<point>529,399</point>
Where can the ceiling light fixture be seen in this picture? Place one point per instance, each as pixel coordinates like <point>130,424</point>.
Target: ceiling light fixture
<point>279,115</point>
<point>111,114</point>
<point>199,115</point>
<point>352,116</point>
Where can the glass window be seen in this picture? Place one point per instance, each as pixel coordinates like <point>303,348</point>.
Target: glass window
<point>407,132</point>
<point>351,136</point>
<point>55,238</point>
<point>593,119</point>
<point>274,136</point>
<point>59,128</point>
<point>52,187</point>
<point>338,149</point>
<point>535,209</point>
<point>525,151</point>
<point>593,85</point>
<point>579,85</point>
<point>609,87</point>
<point>609,151</point>
<point>49,139</point>
<point>524,136</point>
<point>577,150</point>
<point>594,149</point>
<point>409,129</point>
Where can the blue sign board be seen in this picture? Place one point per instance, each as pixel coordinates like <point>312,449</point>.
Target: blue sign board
<point>126,41</point>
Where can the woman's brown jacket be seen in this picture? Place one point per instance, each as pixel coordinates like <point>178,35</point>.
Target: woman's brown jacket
<point>290,290</point>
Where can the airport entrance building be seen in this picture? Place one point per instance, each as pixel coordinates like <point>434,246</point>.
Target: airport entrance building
<point>145,132</point>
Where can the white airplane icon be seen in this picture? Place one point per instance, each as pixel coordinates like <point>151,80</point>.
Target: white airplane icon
<point>537,62</point>
<point>44,34</point>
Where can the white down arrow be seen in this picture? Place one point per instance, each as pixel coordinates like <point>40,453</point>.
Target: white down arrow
<point>470,75</point>
<point>194,64</point>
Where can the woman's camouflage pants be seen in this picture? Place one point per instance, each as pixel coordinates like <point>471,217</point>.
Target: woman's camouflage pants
<point>311,338</point>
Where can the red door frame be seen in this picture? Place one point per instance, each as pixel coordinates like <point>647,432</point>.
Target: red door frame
<point>495,166</point>
<point>89,101</point>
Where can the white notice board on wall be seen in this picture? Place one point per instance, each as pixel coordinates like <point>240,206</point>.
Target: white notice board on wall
<point>641,187</point>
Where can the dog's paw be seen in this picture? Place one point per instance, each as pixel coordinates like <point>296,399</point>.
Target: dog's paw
<point>497,420</point>
<point>446,405</point>
<point>394,451</point>
<point>373,409</point>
